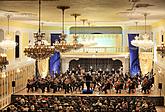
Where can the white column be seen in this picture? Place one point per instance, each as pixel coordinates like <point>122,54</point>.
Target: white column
<point>124,66</point>
<point>65,65</point>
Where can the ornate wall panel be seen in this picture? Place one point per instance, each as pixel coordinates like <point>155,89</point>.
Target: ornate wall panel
<point>146,62</point>
<point>20,76</point>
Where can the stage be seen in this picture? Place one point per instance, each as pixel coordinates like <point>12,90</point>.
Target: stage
<point>154,92</point>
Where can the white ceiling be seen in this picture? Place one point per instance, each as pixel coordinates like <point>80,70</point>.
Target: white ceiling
<point>98,12</point>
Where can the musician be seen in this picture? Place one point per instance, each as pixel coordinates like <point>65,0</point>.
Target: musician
<point>29,85</point>
<point>88,80</point>
<point>55,84</point>
<point>106,86</point>
<point>91,69</point>
<point>47,83</point>
<point>117,86</point>
<point>100,71</point>
<point>145,85</point>
<point>94,81</point>
<point>73,81</point>
<point>60,82</point>
<point>73,71</point>
<point>82,80</point>
<point>113,71</point>
<point>79,68</point>
<point>107,71</point>
<point>52,74</point>
<point>66,84</point>
<point>35,84</point>
<point>42,83</point>
<point>131,86</point>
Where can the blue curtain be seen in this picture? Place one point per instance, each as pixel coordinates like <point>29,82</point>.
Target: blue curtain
<point>134,56</point>
<point>54,63</point>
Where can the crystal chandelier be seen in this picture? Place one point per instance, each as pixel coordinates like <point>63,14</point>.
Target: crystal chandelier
<point>62,45</point>
<point>137,36</point>
<point>7,43</point>
<point>161,48</point>
<point>75,43</point>
<point>40,50</point>
<point>3,61</point>
<point>144,41</point>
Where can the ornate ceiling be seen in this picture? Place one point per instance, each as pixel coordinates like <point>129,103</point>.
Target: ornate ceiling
<point>96,11</point>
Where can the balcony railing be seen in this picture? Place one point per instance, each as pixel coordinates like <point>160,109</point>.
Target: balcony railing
<point>100,50</point>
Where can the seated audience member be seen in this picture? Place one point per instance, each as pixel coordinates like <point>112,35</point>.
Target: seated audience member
<point>80,104</point>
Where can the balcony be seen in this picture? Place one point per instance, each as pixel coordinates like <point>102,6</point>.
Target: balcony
<point>97,52</point>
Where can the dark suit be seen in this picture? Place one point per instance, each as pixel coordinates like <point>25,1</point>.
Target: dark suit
<point>88,80</point>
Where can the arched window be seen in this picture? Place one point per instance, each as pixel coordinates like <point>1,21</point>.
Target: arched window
<point>17,40</point>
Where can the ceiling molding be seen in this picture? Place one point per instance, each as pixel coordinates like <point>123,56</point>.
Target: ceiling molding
<point>98,11</point>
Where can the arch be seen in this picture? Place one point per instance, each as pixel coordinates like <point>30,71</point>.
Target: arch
<point>73,64</point>
<point>17,40</point>
<point>96,63</point>
<point>117,64</point>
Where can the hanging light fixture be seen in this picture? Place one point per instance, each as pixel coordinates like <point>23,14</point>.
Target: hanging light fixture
<point>62,45</point>
<point>136,41</point>
<point>76,45</point>
<point>39,50</point>
<point>161,48</point>
<point>7,43</point>
<point>144,41</point>
<point>136,37</point>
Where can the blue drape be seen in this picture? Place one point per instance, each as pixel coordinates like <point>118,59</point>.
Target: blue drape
<point>134,56</point>
<point>54,63</point>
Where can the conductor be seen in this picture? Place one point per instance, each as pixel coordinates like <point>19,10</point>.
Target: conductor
<point>88,79</point>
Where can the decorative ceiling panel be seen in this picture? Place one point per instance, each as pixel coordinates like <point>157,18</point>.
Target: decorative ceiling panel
<point>94,10</point>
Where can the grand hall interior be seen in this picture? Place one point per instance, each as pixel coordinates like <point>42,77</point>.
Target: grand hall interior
<point>82,55</point>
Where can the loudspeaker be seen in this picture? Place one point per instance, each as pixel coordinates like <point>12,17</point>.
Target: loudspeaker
<point>13,83</point>
<point>160,85</point>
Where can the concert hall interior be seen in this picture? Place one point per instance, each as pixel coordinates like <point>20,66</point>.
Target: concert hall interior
<point>82,55</point>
